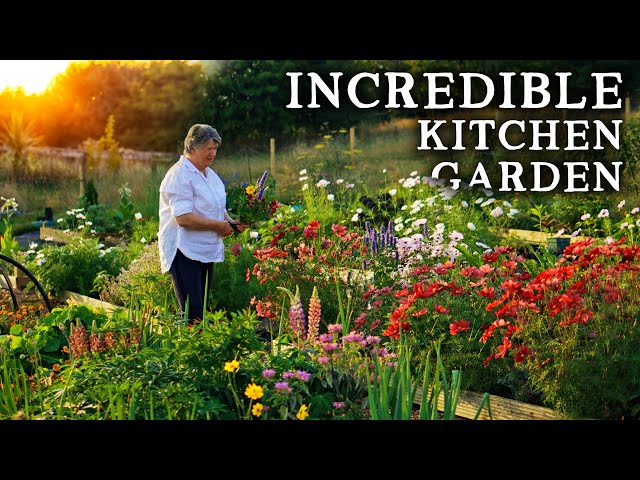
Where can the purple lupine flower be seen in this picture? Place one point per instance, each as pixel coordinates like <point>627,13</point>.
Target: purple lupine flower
<point>261,185</point>
<point>262,180</point>
<point>297,318</point>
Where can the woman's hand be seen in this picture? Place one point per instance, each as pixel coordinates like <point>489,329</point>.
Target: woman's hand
<point>239,227</point>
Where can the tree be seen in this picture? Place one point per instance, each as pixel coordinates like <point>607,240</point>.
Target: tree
<point>82,98</point>
<point>19,135</point>
<point>105,148</point>
<point>162,103</point>
<point>247,99</point>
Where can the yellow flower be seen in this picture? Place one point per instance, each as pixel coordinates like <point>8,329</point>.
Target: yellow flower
<point>256,411</point>
<point>232,366</point>
<point>303,412</point>
<point>250,190</point>
<point>253,391</point>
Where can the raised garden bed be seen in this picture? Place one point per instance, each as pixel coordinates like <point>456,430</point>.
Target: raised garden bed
<point>501,408</point>
<point>73,297</point>
<point>17,279</point>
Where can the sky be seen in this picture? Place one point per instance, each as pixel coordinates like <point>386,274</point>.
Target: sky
<point>32,75</point>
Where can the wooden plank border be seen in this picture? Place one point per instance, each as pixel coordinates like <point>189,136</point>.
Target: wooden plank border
<point>501,408</point>
<point>69,296</point>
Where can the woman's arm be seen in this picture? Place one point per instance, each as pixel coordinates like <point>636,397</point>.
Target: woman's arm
<point>193,221</point>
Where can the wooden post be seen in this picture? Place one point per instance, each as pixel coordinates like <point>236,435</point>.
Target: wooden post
<point>352,139</point>
<point>82,173</point>
<point>627,108</point>
<point>273,156</point>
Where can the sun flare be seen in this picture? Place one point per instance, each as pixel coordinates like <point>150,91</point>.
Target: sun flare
<point>33,76</point>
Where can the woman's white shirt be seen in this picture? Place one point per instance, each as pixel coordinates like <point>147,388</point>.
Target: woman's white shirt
<point>185,189</point>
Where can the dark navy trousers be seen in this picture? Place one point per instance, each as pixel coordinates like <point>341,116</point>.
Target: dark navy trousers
<point>189,279</point>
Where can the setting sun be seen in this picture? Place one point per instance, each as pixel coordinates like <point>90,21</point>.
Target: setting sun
<point>33,76</point>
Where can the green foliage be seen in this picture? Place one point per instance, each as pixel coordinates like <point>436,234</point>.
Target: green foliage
<point>103,153</point>
<point>630,152</point>
<point>141,282</point>
<point>90,196</point>
<point>89,218</point>
<point>144,233</point>
<point>9,246</point>
<point>74,266</point>
<point>586,363</point>
<point>123,213</point>
<point>567,209</point>
<point>541,217</point>
<point>393,388</point>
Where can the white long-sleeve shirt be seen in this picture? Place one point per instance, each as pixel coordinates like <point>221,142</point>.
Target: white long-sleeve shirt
<point>185,189</point>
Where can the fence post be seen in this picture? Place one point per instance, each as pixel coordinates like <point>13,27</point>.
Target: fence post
<point>627,108</point>
<point>352,138</point>
<point>82,172</point>
<point>272,163</point>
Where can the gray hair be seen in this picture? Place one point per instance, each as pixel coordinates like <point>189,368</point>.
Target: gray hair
<point>198,135</point>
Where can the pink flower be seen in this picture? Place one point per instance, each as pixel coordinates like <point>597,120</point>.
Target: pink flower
<point>236,249</point>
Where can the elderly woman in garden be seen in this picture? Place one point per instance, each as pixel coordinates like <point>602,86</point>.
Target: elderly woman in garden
<point>194,220</point>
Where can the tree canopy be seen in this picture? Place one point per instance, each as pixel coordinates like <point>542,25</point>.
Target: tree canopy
<point>155,102</point>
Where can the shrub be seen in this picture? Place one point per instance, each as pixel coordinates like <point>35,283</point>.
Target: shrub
<point>74,266</point>
<point>142,280</point>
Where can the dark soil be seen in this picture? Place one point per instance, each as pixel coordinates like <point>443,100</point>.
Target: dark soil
<point>26,298</point>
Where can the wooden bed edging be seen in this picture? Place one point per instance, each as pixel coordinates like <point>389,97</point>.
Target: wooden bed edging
<point>92,302</point>
<point>501,408</point>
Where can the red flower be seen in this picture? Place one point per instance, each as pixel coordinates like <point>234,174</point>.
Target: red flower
<point>441,309</point>
<point>488,292</point>
<point>339,230</point>
<point>458,326</point>
<point>314,225</point>
<point>521,354</point>
<point>236,249</point>
<point>309,232</point>
<point>502,349</point>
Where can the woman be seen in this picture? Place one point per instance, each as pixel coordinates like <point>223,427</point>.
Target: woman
<point>194,220</point>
